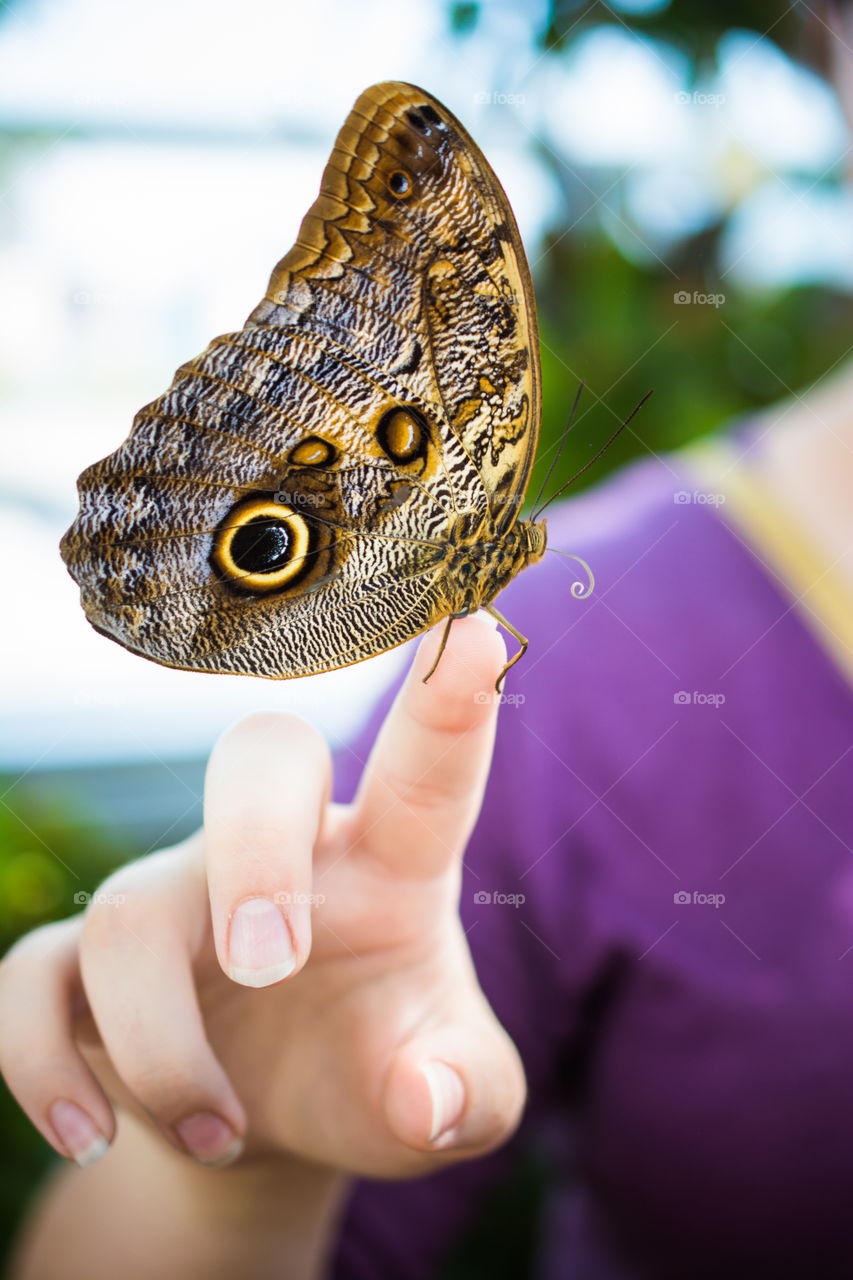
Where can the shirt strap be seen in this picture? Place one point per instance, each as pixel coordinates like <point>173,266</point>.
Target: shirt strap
<point>744,500</point>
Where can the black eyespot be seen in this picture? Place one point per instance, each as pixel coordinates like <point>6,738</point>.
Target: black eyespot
<point>261,546</point>
<point>430,113</point>
<point>403,434</point>
<point>399,183</point>
<point>264,545</point>
<point>418,121</point>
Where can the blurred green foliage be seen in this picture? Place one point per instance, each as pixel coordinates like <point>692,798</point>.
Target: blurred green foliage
<point>614,324</point>
<point>49,851</point>
<point>695,25</point>
<point>617,328</point>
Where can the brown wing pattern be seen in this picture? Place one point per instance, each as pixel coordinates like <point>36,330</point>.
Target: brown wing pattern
<point>387,383</point>
<point>459,322</point>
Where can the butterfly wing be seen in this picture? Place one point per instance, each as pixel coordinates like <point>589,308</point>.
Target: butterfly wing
<point>284,507</point>
<point>407,186</point>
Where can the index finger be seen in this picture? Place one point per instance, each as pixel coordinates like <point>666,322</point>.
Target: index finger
<point>265,795</point>
<point>424,782</point>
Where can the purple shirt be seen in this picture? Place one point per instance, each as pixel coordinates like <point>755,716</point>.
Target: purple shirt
<point>673,799</point>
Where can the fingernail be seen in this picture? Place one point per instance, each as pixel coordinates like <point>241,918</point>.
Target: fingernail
<point>260,950</point>
<point>209,1138</point>
<point>448,1097</point>
<point>488,618</point>
<point>77,1132</point>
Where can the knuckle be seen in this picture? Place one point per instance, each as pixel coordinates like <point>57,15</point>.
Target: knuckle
<point>18,955</point>
<point>31,947</point>
<point>102,918</point>
<point>40,1075</point>
<point>252,837</point>
<point>511,1098</point>
<point>426,794</point>
<point>131,887</point>
<point>167,1086</point>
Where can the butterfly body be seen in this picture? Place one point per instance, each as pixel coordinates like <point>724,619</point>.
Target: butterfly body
<point>348,469</point>
<point>480,560</point>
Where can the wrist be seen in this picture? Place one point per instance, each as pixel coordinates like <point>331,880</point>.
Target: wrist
<point>147,1210</point>
<point>276,1214</point>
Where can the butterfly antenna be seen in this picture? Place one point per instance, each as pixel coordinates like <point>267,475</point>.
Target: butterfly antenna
<point>565,437</point>
<point>580,590</point>
<point>562,489</point>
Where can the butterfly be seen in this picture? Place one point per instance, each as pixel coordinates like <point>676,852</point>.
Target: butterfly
<point>348,469</point>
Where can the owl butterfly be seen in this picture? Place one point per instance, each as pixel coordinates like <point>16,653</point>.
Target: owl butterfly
<point>348,469</point>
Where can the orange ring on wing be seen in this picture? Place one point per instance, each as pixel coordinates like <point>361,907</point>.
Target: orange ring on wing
<point>232,549</point>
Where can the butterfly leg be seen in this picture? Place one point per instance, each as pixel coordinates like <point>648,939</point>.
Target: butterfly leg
<point>522,640</point>
<point>441,648</point>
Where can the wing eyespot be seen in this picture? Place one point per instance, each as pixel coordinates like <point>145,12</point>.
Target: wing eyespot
<point>403,434</point>
<point>400,184</point>
<point>262,546</point>
<point>313,451</point>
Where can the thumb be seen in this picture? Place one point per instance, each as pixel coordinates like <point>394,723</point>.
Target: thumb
<point>459,1088</point>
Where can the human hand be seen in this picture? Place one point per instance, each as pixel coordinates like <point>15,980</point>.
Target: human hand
<point>351,1032</point>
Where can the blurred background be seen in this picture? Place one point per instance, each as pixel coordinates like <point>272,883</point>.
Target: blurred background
<point>679,171</point>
